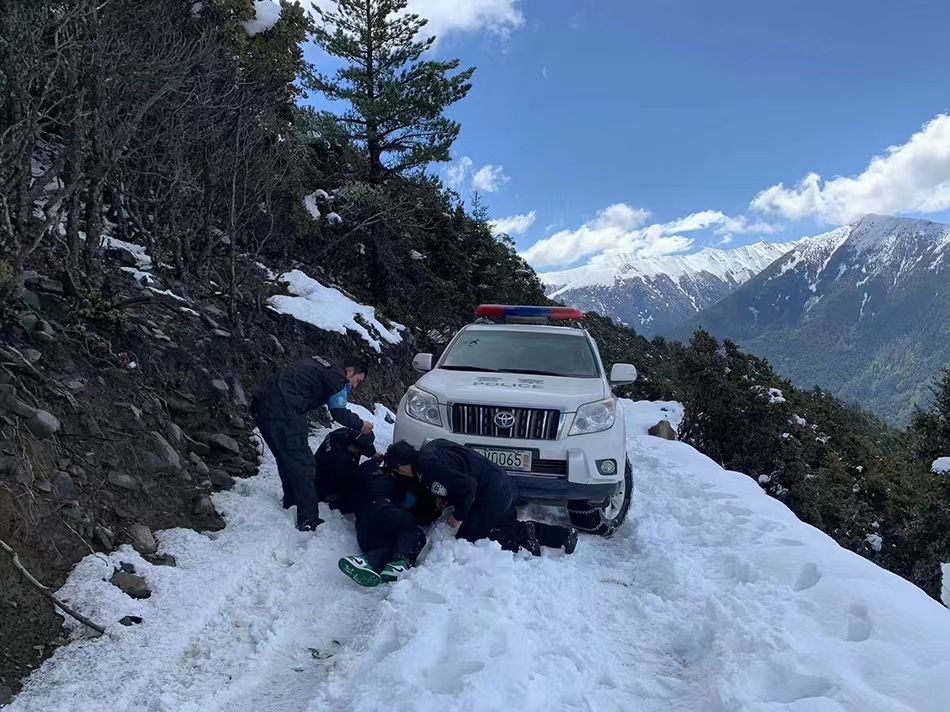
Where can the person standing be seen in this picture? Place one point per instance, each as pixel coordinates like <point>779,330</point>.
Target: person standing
<point>280,411</point>
<point>480,493</point>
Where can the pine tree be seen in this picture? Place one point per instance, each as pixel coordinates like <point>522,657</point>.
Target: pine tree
<point>396,99</point>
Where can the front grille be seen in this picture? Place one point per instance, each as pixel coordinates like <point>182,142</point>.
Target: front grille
<point>549,467</point>
<point>529,423</point>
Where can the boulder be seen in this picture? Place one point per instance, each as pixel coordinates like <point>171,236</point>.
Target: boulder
<point>122,480</point>
<point>203,506</point>
<point>6,695</point>
<point>221,333</point>
<point>130,620</point>
<point>275,342</point>
<point>239,397</point>
<point>176,435</point>
<point>162,560</point>
<point>122,256</point>
<point>200,466</point>
<point>180,405</point>
<point>105,537</point>
<point>220,386</point>
<point>161,457</point>
<point>9,466</point>
<point>220,441</point>
<point>131,584</point>
<point>43,424</point>
<point>221,480</point>
<point>32,355</point>
<point>142,539</point>
<point>237,422</point>
<point>63,487</point>
<point>43,485</point>
<point>664,430</point>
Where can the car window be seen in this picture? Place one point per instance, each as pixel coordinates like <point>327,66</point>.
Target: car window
<point>528,352</point>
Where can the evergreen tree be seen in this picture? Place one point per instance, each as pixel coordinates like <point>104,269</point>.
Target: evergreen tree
<point>396,99</point>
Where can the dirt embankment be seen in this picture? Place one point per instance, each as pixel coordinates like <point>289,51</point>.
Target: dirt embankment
<point>118,418</point>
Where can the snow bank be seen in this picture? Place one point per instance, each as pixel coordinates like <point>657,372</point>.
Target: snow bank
<point>329,309</point>
<point>310,203</point>
<point>267,14</point>
<point>941,466</point>
<point>712,597</point>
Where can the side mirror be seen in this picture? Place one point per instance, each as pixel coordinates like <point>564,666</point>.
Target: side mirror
<point>422,362</point>
<point>622,374</point>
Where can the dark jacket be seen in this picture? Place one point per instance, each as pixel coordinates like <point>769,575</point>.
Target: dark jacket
<point>377,488</point>
<point>336,469</point>
<point>460,475</point>
<point>304,386</point>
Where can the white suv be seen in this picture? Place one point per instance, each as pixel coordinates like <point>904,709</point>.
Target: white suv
<point>534,398</point>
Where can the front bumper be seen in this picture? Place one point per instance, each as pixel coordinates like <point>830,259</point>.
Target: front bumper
<point>578,454</point>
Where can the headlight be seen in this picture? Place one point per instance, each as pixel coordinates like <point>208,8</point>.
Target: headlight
<point>423,406</point>
<point>595,417</point>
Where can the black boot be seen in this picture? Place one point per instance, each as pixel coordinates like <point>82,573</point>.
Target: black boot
<point>528,538</point>
<point>309,525</point>
<point>570,543</point>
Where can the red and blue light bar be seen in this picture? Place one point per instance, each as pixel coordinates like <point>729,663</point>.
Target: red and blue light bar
<point>503,311</point>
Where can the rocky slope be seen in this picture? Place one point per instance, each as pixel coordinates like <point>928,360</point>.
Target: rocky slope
<point>654,295</point>
<point>862,310</point>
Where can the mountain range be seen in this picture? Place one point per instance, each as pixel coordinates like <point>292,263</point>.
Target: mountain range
<point>656,294</point>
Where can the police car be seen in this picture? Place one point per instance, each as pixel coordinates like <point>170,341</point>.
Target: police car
<point>525,387</point>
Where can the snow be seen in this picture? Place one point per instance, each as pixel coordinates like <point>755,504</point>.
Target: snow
<point>334,219</point>
<point>941,466</point>
<point>310,203</point>
<point>945,594</point>
<point>875,541</point>
<point>798,420</point>
<point>776,396</point>
<point>329,309</point>
<point>712,597</point>
<point>266,15</point>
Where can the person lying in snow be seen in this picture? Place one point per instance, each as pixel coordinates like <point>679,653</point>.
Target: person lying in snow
<point>336,465</point>
<point>386,529</point>
<point>480,493</point>
<point>280,411</point>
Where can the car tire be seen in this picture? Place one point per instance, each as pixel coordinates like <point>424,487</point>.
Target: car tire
<point>603,518</point>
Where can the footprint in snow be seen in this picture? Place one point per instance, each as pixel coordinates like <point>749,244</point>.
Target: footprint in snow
<point>858,623</point>
<point>808,577</point>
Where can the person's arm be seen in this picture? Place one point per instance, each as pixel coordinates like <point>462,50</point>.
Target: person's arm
<point>344,416</point>
<point>448,480</point>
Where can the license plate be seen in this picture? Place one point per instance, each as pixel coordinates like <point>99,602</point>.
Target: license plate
<point>517,460</point>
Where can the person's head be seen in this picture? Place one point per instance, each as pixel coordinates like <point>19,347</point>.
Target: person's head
<point>362,446</point>
<point>401,458</point>
<point>356,372</point>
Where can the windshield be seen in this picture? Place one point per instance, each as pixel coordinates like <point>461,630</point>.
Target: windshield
<point>528,352</point>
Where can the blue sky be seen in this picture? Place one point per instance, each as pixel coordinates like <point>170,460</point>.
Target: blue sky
<point>628,125</point>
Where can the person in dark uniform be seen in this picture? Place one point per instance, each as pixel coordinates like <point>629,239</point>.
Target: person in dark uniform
<point>480,493</point>
<point>280,411</point>
<point>336,463</point>
<point>387,532</point>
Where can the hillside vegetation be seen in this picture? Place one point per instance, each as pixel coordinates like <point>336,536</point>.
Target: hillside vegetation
<point>153,156</point>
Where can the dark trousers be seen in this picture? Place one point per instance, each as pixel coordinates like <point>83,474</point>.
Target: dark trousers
<point>389,533</point>
<point>287,439</point>
<point>494,516</point>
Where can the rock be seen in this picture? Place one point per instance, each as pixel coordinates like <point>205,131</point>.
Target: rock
<point>176,435</point>
<point>180,405</point>
<point>75,384</point>
<point>130,584</point>
<point>122,480</point>
<point>130,620</point>
<point>162,560</point>
<point>142,539</point>
<point>664,430</point>
<point>239,397</point>
<point>127,567</point>
<point>122,256</point>
<point>237,422</point>
<point>221,333</point>
<point>43,424</point>
<point>203,506</point>
<point>6,695</point>
<point>72,510</point>
<point>161,458</point>
<point>32,355</point>
<point>214,311</point>
<point>105,537</point>
<point>221,479</point>
<point>197,446</point>
<point>63,487</point>
<point>278,347</point>
<point>29,321</point>
<point>9,466</point>
<point>122,512</point>
<point>43,486</point>
<point>47,284</point>
<point>200,466</point>
<point>220,386</point>
<point>220,441</point>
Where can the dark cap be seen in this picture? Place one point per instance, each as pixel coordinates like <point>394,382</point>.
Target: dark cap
<point>399,454</point>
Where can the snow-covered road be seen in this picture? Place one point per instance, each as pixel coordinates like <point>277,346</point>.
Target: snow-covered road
<point>712,597</point>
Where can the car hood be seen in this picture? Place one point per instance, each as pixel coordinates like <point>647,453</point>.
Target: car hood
<point>513,389</point>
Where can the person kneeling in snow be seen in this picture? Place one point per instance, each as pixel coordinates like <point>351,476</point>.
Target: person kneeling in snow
<point>386,530</point>
<point>280,411</point>
<point>480,493</point>
<point>337,463</point>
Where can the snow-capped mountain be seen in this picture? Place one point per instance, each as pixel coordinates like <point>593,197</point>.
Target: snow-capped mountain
<point>654,294</point>
<point>862,310</point>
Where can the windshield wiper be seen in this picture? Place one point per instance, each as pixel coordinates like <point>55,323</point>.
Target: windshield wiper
<point>532,372</point>
<point>480,369</point>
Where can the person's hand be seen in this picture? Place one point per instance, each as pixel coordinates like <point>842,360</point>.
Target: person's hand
<point>453,522</point>
<point>379,456</point>
<point>367,427</point>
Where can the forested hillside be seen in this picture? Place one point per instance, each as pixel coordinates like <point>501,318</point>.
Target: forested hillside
<point>158,161</point>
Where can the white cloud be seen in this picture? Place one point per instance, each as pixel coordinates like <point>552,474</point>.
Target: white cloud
<point>912,177</point>
<point>489,178</point>
<point>622,228</point>
<point>544,73</point>
<point>726,240</point>
<point>514,225</point>
<point>456,173</point>
<point>445,17</point>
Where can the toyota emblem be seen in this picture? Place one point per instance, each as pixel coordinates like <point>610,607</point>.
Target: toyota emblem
<point>505,419</point>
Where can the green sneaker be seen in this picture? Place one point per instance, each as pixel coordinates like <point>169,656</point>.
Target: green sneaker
<point>393,570</point>
<point>358,569</point>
